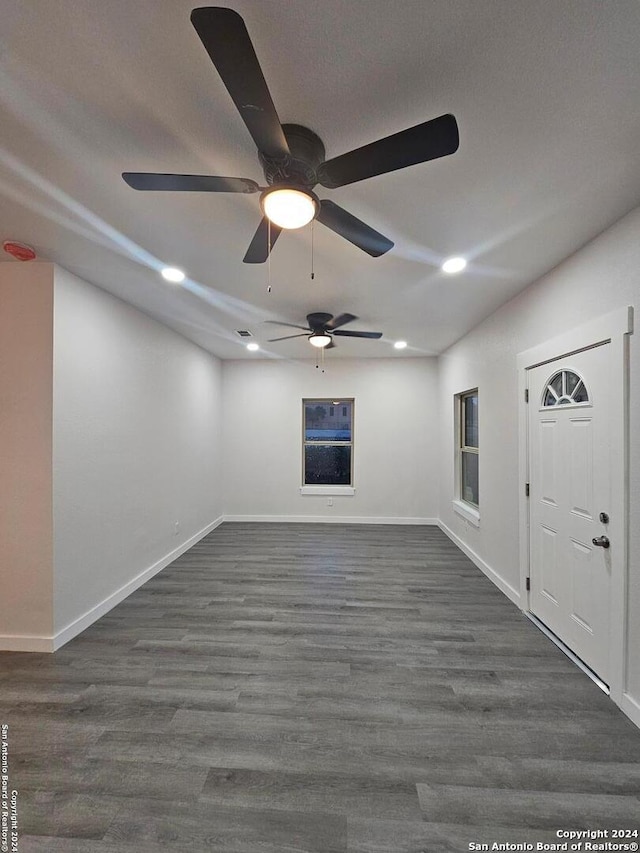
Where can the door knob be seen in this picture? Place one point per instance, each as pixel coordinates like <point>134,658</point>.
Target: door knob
<point>602,541</point>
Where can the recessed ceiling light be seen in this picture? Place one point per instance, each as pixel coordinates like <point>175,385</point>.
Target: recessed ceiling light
<point>453,265</point>
<point>253,347</point>
<point>400,345</point>
<point>172,274</point>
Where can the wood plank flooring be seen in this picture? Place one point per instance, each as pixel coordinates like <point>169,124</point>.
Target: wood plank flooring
<point>293,688</point>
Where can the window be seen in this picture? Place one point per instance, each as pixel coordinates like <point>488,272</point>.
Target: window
<point>564,388</point>
<point>327,458</point>
<point>468,448</point>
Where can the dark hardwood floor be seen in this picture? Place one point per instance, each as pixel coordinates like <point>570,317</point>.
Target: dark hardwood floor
<point>289,688</point>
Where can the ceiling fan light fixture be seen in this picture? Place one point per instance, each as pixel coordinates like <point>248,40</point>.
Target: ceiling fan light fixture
<point>320,340</point>
<point>400,345</point>
<point>288,207</point>
<point>253,347</point>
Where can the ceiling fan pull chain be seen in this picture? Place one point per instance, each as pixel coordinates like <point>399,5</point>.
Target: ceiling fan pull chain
<point>313,275</point>
<point>268,256</point>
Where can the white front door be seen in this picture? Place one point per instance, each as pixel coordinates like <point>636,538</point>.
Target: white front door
<point>570,492</point>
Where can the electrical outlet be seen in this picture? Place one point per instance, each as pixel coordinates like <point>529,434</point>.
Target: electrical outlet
<point>329,501</point>
<point>176,529</point>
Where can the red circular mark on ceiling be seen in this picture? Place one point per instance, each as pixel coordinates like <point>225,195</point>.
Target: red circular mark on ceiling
<point>19,250</point>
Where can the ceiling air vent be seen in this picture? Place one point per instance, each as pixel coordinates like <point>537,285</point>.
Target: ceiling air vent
<point>244,333</point>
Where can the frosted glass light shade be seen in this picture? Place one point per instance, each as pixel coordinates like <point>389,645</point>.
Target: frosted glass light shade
<point>320,341</point>
<point>289,208</point>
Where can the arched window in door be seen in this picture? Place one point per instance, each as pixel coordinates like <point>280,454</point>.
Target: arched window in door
<point>565,388</point>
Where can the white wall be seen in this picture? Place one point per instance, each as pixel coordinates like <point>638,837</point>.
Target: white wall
<point>26,336</point>
<point>604,275</point>
<point>395,439</point>
<point>136,447</point>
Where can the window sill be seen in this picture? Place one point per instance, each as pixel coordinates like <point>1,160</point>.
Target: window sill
<point>333,491</point>
<point>467,511</point>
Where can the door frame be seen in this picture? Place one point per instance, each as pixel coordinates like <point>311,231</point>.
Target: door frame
<point>613,329</point>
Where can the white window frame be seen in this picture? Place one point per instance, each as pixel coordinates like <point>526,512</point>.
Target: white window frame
<point>464,508</point>
<point>328,489</point>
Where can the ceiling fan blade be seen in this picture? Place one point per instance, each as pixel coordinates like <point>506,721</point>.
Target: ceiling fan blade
<point>340,320</point>
<point>330,346</point>
<point>286,338</point>
<point>290,325</point>
<point>189,183</point>
<point>259,248</point>
<point>427,141</point>
<point>348,334</point>
<point>352,229</point>
<point>226,40</point>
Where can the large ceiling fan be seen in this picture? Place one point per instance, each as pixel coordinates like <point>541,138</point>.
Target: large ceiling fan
<point>323,327</point>
<point>293,157</point>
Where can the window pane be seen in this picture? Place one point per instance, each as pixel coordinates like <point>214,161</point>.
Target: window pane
<point>556,384</point>
<point>470,418</point>
<point>580,393</point>
<point>324,422</point>
<point>327,465</point>
<point>572,380</point>
<point>469,490</point>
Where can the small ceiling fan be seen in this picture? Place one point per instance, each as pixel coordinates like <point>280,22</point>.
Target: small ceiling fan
<point>293,157</point>
<point>323,327</point>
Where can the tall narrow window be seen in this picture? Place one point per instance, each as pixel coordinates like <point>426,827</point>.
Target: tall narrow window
<point>327,458</point>
<point>469,448</point>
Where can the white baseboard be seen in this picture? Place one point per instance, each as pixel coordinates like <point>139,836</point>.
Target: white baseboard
<point>485,568</point>
<point>50,644</point>
<point>329,519</point>
<point>25,643</point>
<point>631,708</point>
<point>82,622</point>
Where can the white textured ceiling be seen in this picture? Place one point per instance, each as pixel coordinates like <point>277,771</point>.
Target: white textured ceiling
<point>546,98</point>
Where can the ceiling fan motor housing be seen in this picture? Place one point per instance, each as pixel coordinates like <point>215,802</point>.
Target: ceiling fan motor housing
<point>299,169</point>
<point>318,322</point>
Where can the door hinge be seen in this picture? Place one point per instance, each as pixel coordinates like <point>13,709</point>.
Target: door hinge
<point>528,584</point>
<point>526,489</point>
<point>526,395</point>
